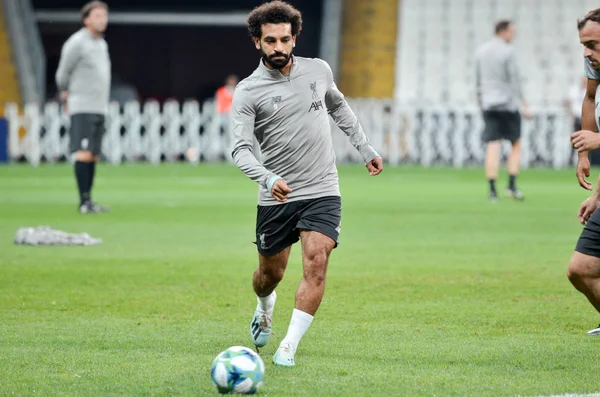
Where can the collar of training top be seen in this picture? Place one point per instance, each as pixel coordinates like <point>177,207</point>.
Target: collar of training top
<point>90,35</point>
<point>276,72</point>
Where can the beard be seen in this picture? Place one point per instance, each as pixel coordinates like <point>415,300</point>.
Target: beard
<point>274,62</point>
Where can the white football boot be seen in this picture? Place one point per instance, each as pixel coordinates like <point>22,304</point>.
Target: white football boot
<point>595,331</point>
<point>261,325</point>
<point>284,356</point>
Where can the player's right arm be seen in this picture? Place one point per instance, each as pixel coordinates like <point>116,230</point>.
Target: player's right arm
<point>478,83</point>
<point>69,57</point>
<point>243,115</point>
<point>588,122</point>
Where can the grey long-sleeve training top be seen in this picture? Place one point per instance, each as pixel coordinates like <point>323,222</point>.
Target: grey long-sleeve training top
<point>288,114</point>
<point>497,75</point>
<point>84,71</point>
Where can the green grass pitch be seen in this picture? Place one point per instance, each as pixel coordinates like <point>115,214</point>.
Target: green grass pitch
<point>432,292</point>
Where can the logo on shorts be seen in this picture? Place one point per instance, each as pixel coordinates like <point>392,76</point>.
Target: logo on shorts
<point>84,143</point>
<point>276,100</point>
<point>339,228</point>
<point>261,238</point>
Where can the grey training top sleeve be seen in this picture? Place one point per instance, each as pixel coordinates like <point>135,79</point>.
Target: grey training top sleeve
<point>513,75</point>
<point>345,118</point>
<point>243,116</point>
<point>70,54</point>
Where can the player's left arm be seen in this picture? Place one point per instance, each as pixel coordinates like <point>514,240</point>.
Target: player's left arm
<point>346,120</point>
<point>515,79</point>
<point>590,205</point>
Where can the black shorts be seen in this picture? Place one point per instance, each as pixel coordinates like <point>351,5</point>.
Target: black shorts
<point>86,132</point>
<point>278,226</point>
<point>501,124</point>
<point>589,240</point>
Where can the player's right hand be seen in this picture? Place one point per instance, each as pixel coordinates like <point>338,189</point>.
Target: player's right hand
<point>587,208</point>
<point>583,171</point>
<point>375,166</point>
<point>280,191</point>
<point>64,95</point>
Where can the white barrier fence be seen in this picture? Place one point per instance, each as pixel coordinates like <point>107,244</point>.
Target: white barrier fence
<point>432,136</point>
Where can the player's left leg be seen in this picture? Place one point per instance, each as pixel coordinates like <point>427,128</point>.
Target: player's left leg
<point>584,267</point>
<point>319,230</point>
<point>513,131</point>
<point>316,249</point>
<point>584,274</point>
<point>98,129</point>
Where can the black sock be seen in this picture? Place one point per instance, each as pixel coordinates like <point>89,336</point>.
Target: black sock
<point>512,179</point>
<point>492,186</point>
<point>82,175</point>
<point>92,170</point>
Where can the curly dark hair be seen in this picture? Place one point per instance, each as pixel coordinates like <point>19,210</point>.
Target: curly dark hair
<point>593,16</point>
<point>274,12</point>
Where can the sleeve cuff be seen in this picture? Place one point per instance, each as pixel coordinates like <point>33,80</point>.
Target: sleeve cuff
<point>271,181</point>
<point>368,153</point>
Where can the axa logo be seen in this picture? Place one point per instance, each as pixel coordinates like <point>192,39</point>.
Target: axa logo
<point>318,105</point>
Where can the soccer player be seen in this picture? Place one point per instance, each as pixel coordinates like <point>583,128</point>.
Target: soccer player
<point>286,105</point>
<point>584,266</point>
<point>83,79</point>
<point>500,97</point>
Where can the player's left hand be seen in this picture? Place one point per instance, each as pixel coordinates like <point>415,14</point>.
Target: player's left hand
<point>375,166</point>
<point>587,208</point>
<point>585,140</point>
<point>526,113</point>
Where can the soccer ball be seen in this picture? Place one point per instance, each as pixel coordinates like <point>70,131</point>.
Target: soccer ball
<point>238,370</point>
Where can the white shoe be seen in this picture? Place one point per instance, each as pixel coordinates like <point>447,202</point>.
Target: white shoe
<point>285,355</point>
<point>515,193</point>
<point>261,325</point>
<point>595,331</point>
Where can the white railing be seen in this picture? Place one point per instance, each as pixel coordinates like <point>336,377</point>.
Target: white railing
<point>403,135</point>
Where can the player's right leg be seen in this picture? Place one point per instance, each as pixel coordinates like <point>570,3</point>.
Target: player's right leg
<point>584,266</point>
<point>491,136</point>
<point>264,281</point>
<point>275,234</point>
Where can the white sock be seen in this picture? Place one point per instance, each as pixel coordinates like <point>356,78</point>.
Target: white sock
<point>298,326</point>
<point>266,303</point>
